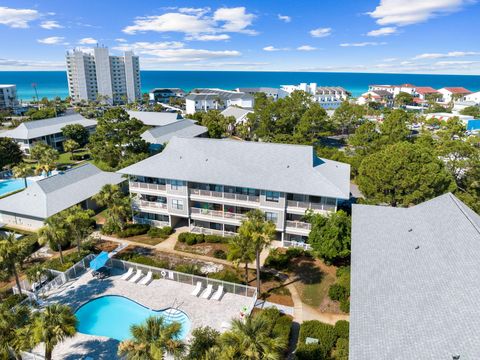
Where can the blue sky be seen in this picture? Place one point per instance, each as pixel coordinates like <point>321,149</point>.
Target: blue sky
<point>409,36</point>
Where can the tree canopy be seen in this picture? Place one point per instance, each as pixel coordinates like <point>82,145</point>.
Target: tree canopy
<point>10,153</point>
<point>77,133</point>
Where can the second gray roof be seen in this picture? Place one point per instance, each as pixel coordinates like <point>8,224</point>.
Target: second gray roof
<point>266,166</point>
<point>184,128</point>
<point>153,118</point>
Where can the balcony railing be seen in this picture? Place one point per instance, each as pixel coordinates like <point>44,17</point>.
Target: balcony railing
<point>135,185</point>
<point>217,214</point>
<point>299,225</point>
<point>157,223</point>
<point>149,204</point>
<point>206,231</point>
<point>310,205</point>
<point>225,195</point>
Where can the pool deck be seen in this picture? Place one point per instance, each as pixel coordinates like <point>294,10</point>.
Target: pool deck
<point>159,294</point>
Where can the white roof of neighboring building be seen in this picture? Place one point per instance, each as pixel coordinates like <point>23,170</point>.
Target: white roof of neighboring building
<point>51,195</point>
<point>237,112</point>
<point>415,281</point>
<point>184,128</point>
<point>153,118</point>
<point>213,93</point>
<point>39,128</point>
<point>265,166</point>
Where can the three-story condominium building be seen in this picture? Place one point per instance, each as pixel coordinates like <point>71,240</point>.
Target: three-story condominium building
<point>211,184</point>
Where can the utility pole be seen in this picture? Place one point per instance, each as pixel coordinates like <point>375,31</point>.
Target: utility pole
<point>34,85</point>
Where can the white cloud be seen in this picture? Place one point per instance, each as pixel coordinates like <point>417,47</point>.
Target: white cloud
<point>120,40</point>
<point>321,32</point>
<point>17,18</point>
<point>362,44</point>
<point>11,64</point>
<point>390,59</point>
<point>194,21</point>
<point>449,63</point>
<point>284,18</point>
<point>446,55</point>
<point>53,40</point>
<point>407,12</point>
<point>88,41</point>
<point>50,24</point>
<point>384,31</point>
<point>234,20</point>
<point>306,48</point>
<point>273,48</point>
<point>207,37</point>
<point>174,51</point>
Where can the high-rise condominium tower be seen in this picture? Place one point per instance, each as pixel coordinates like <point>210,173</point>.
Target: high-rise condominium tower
<point>115,78</point>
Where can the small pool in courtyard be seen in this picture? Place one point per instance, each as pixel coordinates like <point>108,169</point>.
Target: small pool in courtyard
<point>112,316</point>
<point>11,185</point>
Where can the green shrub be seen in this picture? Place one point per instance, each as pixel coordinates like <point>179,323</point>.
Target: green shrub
<point>109,227</point>
<point>182,237</point>
<point>144,260</point>
<point>283,327</point>
<point>294,252</point>
<point>341,349</point>
<point>219,254</point>
<point>226,275</point>
<point>343,277</point>
<point>337,292</point>
<point>69,260</point>
<point>345,305</point>
<point>133,230</point>
<point>161,233</point>
<point>191,240</point>
<point>277,260</point>
<point>12,300</point>
<point>215,239</point>
<point>325,334</point>
<point>342,329</point>
<point>188,269</point>
<point>309,352</point>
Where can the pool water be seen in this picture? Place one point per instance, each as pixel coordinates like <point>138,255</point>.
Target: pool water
<point>11,185</point>
<point>112,316</point>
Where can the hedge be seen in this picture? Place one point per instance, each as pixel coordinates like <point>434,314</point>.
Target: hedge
<point>133,230</point>
<point>342,329</point>
<point>162,233</point>
<point>219,254</point>
<point>280,325</point>
<point>337,292</point>
<point>192,238</point>
<point>309,352</point>
<point>325,334</point>
<point>279,260</point>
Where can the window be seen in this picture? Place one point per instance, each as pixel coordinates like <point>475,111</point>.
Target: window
<point>273,196</point>
<point>175,184</point>
<point>177,204</point>
<point>271,216</point>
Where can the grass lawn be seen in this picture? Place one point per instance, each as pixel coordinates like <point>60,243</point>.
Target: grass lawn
<point>145,239</point>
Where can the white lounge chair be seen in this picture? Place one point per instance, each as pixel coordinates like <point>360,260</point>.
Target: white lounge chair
<point>137,276</point>
<point>197,289</point>
<point>128,274</point>
<point>208,291</point>
<point>218,294</point>
<point>146,280</point>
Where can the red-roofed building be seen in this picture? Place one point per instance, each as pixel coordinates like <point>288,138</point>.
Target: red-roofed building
<point>422,92</point>
<point>453,93</point>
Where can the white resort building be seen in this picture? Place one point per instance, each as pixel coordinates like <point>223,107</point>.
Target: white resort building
<point>216,99</point>
<point>329,97</point>
<point>8,97</point>
<point>115,77</point>
<point>210,185</point>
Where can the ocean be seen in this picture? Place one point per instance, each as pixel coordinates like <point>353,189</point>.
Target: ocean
<point>54,83</point>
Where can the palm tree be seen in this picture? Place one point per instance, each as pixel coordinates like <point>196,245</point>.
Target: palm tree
<point>151,340</point>
<point>119,205</point>
<point>11,322</point>
<point>53,325</point>
<point>251,339</point>
<point>259,232</point>
<point>70,146</point>
<point>12,254</point>
<point>22,170</point>
<point>55,233</point>
<point>79,222</point>
<point>241,250</point>
<point>35,273</point>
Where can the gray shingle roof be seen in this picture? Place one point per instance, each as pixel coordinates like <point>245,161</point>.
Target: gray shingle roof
<point>39,128</point>
<point>152,118</point>
<point>207,93</point>
<point>267,166</point>
<point>183,128</point>
<point>49,196</point>
<point>409,302</point>
<point>237,112</point>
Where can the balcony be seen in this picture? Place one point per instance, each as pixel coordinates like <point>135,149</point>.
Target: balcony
<point>225,195</point>
<point>217,214</point>
<point>141,186</point>
<point>304,205</point>
<point>299,225</point>
<point>149,205</point>
<point>206,231</point>
<point>151,222</point>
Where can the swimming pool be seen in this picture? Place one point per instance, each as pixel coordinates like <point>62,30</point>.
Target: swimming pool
<point>11,185</point>
<point>112,316</point>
